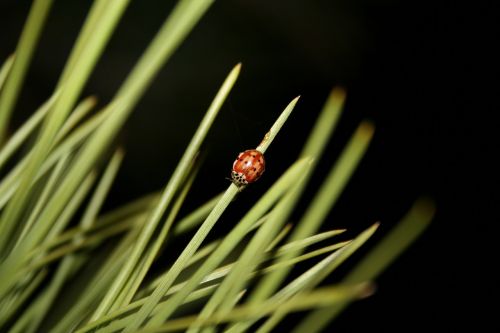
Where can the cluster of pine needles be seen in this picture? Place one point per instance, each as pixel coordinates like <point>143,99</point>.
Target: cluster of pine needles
<point>66,266</point>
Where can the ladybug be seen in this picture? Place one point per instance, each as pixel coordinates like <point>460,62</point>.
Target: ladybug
<point>248,167</point>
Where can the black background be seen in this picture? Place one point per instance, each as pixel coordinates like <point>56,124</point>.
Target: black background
<point>405,66</point>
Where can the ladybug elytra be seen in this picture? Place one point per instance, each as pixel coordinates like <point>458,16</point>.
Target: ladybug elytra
<point>248,167</point>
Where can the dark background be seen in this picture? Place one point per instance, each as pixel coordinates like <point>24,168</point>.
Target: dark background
<point>404,67</point>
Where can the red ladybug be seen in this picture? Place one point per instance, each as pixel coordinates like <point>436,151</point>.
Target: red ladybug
<point>248,167</point>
